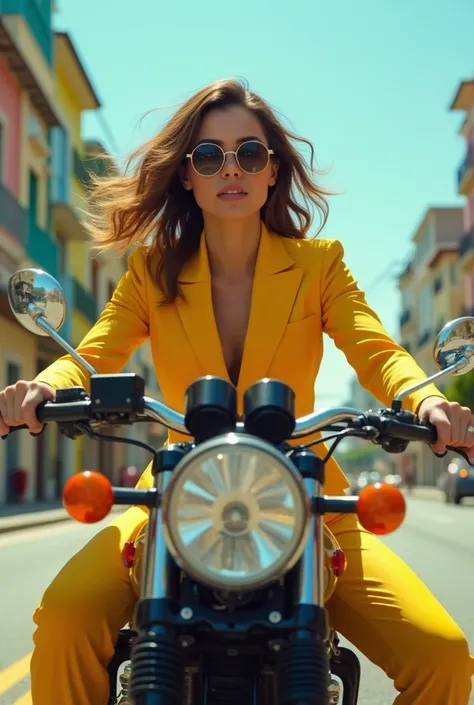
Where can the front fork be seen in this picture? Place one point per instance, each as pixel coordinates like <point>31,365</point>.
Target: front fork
<point>157,666</point>
<point>303,672</point>
<point>157,673</point>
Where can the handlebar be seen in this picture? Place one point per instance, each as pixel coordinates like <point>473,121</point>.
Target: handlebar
<point>381,427</point>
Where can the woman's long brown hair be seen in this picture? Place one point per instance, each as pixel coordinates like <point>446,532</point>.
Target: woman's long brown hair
<point>149,204</point>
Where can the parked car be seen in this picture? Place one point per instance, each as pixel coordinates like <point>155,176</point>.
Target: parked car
<point>457,482</point>
<point>368,477</point>
<point>394,479</point>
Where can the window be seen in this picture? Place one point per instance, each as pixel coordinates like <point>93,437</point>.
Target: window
<point>60,165</point>
<point>33,206</point>
<point>438,283</point>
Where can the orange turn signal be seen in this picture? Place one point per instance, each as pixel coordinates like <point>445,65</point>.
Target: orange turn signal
<point>88,496</point>
<point>381,508</point>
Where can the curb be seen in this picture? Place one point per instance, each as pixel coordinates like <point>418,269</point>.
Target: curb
<point>429,493</point>
<point>32,520</point>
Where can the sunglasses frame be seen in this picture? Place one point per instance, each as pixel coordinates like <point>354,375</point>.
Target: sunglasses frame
<point>224,154</point>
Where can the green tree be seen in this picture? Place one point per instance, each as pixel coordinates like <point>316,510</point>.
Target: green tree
<point>461,389</point>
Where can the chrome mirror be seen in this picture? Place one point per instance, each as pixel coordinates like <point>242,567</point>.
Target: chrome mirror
<point>453,353</point>
<point>35,296</point>
<point>38,303</point>
<point>454,343</point>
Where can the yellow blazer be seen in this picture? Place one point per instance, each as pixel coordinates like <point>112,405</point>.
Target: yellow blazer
<point>302,289</point>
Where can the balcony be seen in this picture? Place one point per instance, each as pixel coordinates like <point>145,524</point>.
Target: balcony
<point>38,20</point>
<point>84,301</point>
<point>405,318</point>
<point>12,216</point>
<point>42,249</point>
<point>67,218</point>
<point>466,173</point>
<point>25,43</point>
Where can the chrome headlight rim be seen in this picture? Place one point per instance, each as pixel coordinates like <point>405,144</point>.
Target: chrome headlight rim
<point>303,513</point>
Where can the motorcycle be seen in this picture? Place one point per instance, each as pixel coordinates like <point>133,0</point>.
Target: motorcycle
<point>234,564</point>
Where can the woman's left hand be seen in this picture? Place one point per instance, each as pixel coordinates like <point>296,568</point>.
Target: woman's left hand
<point>454,423</point>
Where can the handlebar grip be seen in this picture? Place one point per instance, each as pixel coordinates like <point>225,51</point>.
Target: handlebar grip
<point>44,411</point>
<point>422,432</point>
<point>426,432</point>
<point>63,412</point>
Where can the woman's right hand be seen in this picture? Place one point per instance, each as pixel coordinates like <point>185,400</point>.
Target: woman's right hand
<point>18,404</point>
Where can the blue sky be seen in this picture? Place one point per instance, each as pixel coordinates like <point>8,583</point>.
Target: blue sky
<point>368,82</point>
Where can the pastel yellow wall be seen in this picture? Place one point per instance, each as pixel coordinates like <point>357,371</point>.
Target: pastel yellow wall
<point>18,346</point>
<point>70,111</point>
<point>69,107</point>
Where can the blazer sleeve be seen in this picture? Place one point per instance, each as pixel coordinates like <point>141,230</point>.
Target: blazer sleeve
<point>120,330</point>
<point>383,367</point>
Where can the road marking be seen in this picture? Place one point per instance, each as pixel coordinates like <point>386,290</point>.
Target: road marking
<point>24,700</point>
<point>14,673</point>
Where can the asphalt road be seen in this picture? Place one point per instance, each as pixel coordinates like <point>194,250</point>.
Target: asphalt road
<point>436,540</point>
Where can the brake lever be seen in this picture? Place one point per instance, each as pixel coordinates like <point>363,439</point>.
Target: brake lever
<point>459,451</point>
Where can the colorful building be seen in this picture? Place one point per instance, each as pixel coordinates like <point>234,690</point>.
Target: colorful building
<point>432,294</point>
<point>464,102</point>
<point>45,168</point>
<point>27,112</point>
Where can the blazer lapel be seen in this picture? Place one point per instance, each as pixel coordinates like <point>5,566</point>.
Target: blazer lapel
<point>275,288</point>
<point>276,284</point>
<point>197,313</point>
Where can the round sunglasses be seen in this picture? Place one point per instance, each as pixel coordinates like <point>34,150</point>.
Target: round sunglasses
<point>207,159</point>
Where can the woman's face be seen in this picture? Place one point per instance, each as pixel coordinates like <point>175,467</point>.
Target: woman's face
<point>228,128</point>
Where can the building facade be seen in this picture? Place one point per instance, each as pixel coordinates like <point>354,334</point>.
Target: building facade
<point>464,102</point>
<point>27,113</point>
<point>45,167</point>
<point>432,293</point>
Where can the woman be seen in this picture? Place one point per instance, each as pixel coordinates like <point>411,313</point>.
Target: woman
<point>242,294</point>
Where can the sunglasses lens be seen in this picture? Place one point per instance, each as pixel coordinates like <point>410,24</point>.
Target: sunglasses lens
<point>253,157</point>
<point>208,159</point>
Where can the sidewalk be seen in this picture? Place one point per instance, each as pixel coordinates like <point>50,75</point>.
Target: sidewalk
<point>14,517</point>
<point>429,493</point>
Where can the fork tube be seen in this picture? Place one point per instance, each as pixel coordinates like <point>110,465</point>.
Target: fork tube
<point>156,563</point>
<point>311,587</point>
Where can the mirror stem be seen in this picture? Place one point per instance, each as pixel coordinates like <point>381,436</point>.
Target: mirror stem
<point>42,323</point>
<point>458,365</point>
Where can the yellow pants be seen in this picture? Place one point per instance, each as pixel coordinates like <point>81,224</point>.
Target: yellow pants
<point>380,605</point>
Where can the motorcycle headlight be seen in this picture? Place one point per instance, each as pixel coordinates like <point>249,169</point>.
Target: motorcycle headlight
<point>236,513</point>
